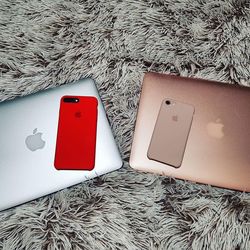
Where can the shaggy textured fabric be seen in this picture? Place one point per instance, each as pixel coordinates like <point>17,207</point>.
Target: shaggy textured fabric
<point>44,43</point>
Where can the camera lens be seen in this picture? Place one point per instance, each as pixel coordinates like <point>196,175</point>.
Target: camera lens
<point>71,99</point>
<point>168,102</point>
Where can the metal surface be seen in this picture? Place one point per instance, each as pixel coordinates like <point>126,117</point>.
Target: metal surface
<point>27,174</point>
<point>218,147</point>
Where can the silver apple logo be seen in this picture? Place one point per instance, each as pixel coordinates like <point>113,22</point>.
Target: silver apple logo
<point>34,141</point>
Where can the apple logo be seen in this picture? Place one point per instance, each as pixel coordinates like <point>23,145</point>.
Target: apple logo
<point>215,129</point>
<point>175,118</point>
<point>34,141</point>
<point>78,114</point>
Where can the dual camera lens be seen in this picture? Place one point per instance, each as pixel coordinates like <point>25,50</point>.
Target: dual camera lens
<point>69,99</point>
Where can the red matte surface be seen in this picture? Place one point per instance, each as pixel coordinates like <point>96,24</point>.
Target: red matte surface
<point>76,135</point>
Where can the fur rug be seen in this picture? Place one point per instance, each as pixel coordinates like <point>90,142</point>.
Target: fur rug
<point>44,43</point>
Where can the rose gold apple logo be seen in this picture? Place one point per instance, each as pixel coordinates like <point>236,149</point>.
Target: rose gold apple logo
<point>34,141</point>
<point>215,129</point>
<point>175,118</point>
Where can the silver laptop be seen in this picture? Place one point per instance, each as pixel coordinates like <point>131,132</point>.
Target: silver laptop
<point>28,173</point>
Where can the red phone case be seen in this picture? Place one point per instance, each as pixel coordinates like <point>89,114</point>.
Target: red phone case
<point>76,134</point>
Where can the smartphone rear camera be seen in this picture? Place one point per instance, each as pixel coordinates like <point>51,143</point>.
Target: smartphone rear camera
<point>168,102</point>
<point>71,99</point>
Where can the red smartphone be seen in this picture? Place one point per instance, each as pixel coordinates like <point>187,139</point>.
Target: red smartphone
<point>76,134</point>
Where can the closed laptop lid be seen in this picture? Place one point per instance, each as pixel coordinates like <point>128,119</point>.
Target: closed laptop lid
<point>28,130</point>
<point>218,146</point>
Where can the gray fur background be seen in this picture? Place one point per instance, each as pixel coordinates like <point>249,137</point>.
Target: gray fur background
<point>44,43</point>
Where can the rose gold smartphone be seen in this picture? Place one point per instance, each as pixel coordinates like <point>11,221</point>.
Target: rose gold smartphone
<point>171,132</point>
<point>215,137</point>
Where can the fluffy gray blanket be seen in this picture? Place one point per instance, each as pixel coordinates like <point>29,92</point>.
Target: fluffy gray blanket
<point>44,43</point>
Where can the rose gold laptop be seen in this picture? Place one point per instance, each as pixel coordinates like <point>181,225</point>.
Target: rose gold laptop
<point>193,129</point>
